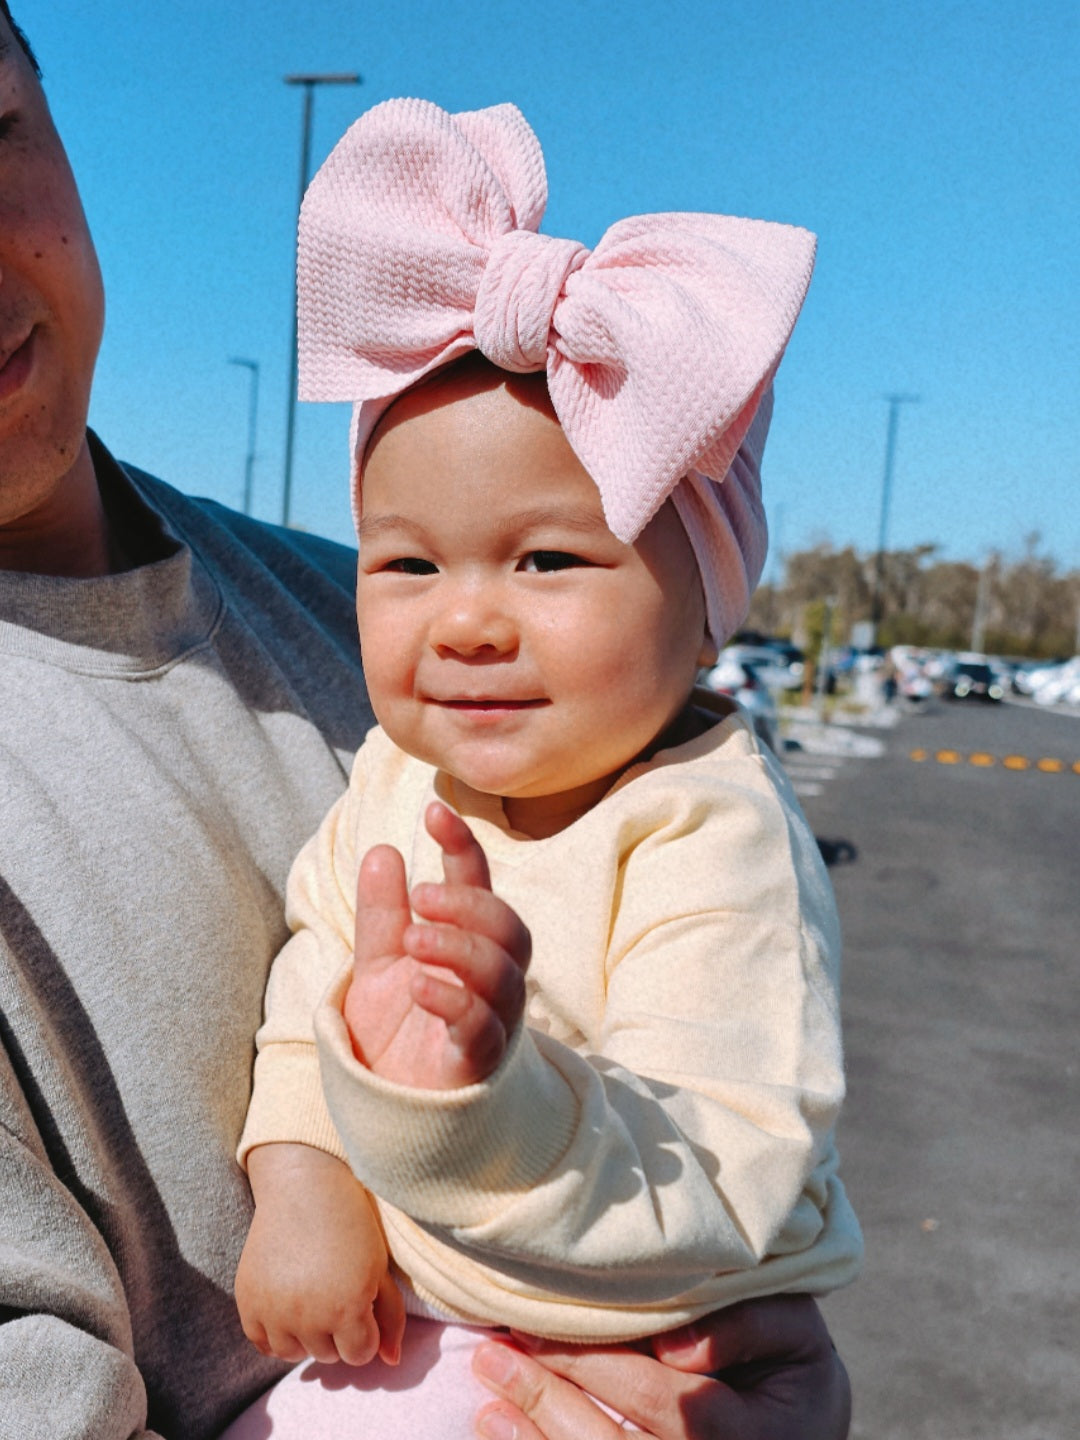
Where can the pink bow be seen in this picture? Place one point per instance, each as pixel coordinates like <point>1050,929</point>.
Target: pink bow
<point>418,242</point>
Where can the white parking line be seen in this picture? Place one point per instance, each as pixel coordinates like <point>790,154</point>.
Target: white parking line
<point>795,766</point>
<point>820,751</point>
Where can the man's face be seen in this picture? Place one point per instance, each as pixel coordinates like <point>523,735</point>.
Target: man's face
<point>51,301</point>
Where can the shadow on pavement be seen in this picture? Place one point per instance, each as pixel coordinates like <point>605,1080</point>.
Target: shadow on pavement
<point>837,852</point>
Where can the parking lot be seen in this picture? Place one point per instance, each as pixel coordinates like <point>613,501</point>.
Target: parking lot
<point>958,887</point>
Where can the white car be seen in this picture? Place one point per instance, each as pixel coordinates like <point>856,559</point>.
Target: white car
<point>773,666</point>
<point>1056,684</point>
<point>739,679</point>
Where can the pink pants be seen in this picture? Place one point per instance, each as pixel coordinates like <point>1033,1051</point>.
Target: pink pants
<point>431,1395</point>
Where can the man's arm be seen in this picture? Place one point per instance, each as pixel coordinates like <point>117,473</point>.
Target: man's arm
<point>762,1370</point>
<point>66,1361</point>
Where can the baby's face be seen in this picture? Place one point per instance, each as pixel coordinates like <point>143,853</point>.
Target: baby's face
<point>508,637</point>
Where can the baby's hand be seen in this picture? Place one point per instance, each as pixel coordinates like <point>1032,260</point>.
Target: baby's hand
<point>434,1005</point>
<point>313,1278</point>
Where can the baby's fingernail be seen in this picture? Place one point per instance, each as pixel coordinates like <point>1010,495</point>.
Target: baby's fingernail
<point>495,1363</point>
<point>494,1425</point>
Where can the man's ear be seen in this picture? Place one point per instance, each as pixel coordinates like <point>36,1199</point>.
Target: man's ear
<point>709,653</point>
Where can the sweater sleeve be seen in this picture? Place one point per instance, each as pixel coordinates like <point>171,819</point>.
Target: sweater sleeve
<point>695,1142</point>
<point>287,1102</point>
<point>66,1351</point>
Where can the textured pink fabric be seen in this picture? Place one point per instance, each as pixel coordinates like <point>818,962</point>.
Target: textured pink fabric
<point>418,243</point>
<point>431,1395</point>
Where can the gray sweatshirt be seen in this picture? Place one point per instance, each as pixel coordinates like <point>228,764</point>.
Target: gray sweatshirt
<point>169,737</point>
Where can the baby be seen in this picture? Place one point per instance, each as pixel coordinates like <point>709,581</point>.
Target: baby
<point>565,949</point>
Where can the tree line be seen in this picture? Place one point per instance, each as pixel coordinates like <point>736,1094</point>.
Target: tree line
<point>1019,607</point>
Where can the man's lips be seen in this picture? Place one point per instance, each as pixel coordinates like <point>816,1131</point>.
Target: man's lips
<point>15,366</point>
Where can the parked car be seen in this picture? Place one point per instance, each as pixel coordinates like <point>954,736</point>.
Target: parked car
<point>1057,684</point>
<point>780,666</point>
<point>739,679</point>
<point>969,678</point>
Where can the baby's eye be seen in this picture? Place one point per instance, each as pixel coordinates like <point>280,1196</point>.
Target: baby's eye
<point>412,565</point>
<point>543,561</point>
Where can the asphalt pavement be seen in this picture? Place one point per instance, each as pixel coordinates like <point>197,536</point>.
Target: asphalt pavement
<point>958,879</point>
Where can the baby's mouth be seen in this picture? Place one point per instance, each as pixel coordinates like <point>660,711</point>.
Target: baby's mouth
<point>490,702</point>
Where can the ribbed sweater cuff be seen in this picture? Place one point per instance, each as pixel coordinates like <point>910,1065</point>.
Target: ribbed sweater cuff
<point>447,1157</point>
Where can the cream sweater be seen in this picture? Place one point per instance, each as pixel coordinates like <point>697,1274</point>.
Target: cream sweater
<point>658,1141</point>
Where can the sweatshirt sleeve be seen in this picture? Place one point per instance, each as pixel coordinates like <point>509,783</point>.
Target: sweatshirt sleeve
<point>694,1141</point>
<point>66,1353</point>
<point>287,1102</point>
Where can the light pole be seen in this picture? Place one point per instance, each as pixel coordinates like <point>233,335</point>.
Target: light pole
<point>253,414</point>
<point>895,401</point>
<point>308,82</point>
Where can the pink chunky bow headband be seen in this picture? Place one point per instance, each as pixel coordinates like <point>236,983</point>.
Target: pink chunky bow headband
<point>418,242</point>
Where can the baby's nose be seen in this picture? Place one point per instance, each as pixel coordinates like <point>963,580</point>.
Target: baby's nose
<point>475,623</point>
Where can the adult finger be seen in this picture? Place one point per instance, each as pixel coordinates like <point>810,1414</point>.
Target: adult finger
<point>784,1385</point>
<point>382,906</point>
<point>464,861</point>
<point>754,1332</point>
<point>777,1354</point>
<point>533,1403</point>
<point>659,1401</point>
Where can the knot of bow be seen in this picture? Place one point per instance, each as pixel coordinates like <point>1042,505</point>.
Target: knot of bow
<point>419,242</point>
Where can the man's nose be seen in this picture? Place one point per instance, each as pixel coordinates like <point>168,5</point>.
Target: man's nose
<point>475,622</point>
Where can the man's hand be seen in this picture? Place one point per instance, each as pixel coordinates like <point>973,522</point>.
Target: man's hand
<point>761,1370</point>
<point>313,1278</point>
<point>434,1004</point>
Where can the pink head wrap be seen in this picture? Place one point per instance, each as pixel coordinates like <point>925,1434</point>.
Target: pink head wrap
<point>418,242</point>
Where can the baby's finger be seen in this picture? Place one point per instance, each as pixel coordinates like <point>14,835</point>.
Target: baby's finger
<point>484,969</point>
<point>464,862</point>
<point>473,1028</point>
<point>478,912</point>
<point>389,1310</point>
<point>323,1347</point>
<point>256,1333</point>
<point>356,1340</point>
<point>382,906</point>
<point>286,1346</point>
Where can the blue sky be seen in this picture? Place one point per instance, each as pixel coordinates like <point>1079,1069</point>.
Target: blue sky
<point>933,147</point>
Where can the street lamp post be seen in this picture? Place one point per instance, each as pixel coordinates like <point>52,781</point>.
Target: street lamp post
<point>895,401</point>
<point>308,82</point>
<point>253,414</point>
